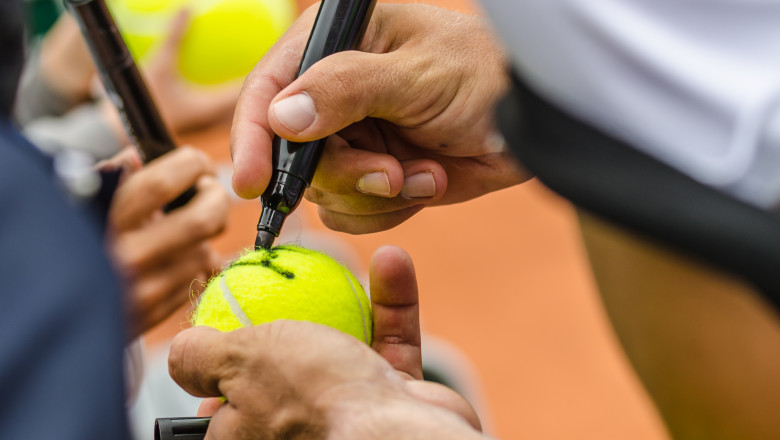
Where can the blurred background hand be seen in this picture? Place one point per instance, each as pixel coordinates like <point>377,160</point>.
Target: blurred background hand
<point>159,255</point>
<point>186,105</point>
<point>65,62</point>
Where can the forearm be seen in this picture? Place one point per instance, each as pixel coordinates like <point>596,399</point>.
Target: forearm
<point>35,98</point>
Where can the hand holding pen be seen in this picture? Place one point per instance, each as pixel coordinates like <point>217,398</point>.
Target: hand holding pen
<point>125,85</point>
<point>409,118</point>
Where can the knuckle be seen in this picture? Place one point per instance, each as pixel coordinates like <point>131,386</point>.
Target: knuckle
<point>155,186</point>
<point>208,217</point>
<point>202,257</point>
<point>194,157</point>
<point>177,353</point>
<point>340,89</point>
<point>207,225</point>
<point>131,260</point>
<point>133,263</point>
<point>202,225</point>
<point>146,299</point>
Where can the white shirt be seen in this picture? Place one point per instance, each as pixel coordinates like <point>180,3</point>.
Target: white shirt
<point>694,83</point>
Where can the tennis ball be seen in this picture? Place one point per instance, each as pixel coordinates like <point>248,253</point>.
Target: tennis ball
<point>286,282</point>
<point>225,38</point>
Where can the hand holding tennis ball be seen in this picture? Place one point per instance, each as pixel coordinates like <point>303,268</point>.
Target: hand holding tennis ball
<point>225,38</point>
<point>286,282</point>
<point>289,377</point>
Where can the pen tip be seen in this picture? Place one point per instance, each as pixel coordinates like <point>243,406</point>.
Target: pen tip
<point>264,240</point>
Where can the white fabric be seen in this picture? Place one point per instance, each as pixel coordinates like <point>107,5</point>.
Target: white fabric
<point>695,83</point>
<point>134,369</point>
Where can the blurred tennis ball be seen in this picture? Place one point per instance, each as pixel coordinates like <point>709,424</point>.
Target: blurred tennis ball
<point>223,42</point>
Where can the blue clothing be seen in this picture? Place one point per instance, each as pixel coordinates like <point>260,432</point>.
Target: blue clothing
<point>61,325</point>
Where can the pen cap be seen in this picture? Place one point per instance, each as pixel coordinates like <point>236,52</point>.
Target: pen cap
<point>181,428</point>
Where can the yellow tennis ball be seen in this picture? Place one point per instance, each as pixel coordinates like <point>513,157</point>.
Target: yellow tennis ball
<point>286,282</point>
<point>225,38</point>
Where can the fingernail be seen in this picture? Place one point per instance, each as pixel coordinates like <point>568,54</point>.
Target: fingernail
<point>420,185</point>
<point>296,112</point>
<point>374,183</point>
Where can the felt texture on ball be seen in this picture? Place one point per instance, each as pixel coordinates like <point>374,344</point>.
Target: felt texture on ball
<point>286,282</point>
<point>225,38</point>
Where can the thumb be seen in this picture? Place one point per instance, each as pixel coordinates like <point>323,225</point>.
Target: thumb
<point>396,308</point>
<point>340,90</point>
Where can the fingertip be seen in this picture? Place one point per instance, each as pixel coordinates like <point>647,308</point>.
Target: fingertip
<point>388,260</point>
<point>387,181</point>
<point>181,20</point>
<point>133,157</point>
<point>251,171</point>
<point>184,346</point>
<point>344,169</point>
<point>395,175</point>
<point>206,181</point>
<point>193,361</point>
<point>424,180</point>
<point>221,200</point>
<point>128,160</point>
<point>390,251</point>
<point>291,116</point>
<point>392,277</point>
<point>246,187</point>
<point>209,406</point>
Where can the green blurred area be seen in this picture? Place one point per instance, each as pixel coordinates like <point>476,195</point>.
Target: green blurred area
<point>40,15</point>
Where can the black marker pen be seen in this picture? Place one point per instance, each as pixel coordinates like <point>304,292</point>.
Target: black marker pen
<point>125,85</point>
<point>339,26</point>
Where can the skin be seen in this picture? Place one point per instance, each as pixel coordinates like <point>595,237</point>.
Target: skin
<point>65,63</point>
<point>703,344</point>
<point>431,92</point>
<point>159,254</point>
<point>67,68</point>
<point>303,380</point>
<point>185,106</point>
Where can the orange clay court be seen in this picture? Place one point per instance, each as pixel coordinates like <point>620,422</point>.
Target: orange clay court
<point>519,302</point>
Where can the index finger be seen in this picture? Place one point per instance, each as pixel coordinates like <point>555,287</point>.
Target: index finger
<point>150,188</point>
<point>251,136</point>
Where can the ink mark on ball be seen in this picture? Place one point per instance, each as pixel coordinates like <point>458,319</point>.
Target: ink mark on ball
<point>266,262</point>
